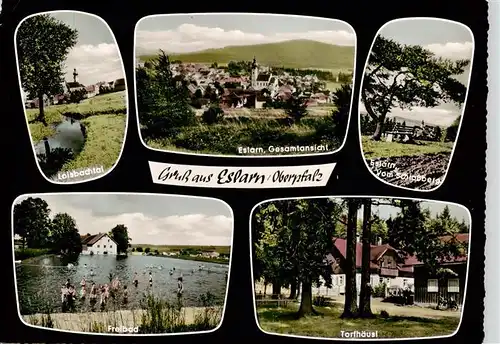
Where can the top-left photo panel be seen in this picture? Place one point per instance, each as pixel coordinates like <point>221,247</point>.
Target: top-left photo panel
<point>74,94</point>
<point>244,85</point>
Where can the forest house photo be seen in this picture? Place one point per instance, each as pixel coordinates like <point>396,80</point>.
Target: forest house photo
<point>332,267</point>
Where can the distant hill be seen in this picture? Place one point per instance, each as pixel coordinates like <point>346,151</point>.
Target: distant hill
<point>291,54</point>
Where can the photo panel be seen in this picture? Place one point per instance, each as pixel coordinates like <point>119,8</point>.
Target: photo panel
<point>121,263</point>
<point>368,267</point>
<point>412,100</point>
<point>74,94</point>
<point>244,85</point>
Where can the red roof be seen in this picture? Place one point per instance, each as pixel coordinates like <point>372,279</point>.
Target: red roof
<point>376,251</point>
<point>461,237</point>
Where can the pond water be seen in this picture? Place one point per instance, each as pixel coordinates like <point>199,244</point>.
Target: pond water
<point>68,134</point>
<point>39,280</point>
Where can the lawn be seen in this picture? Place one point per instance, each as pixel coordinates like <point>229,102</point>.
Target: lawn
<point>104,142</point>
<point>112,103</point>
<point>227,136</point>
<point>329,325</point>
<point>176,248</point>
<point>104,118</point>
<point>383,149</point>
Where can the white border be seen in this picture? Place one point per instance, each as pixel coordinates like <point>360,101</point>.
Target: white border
<point>123,193</point>
<point>249,14</point>
<point>492,255</point>
<point>463,105</point>
<point>24,107</point>
<point>357,339</point>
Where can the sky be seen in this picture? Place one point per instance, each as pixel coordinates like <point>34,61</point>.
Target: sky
<point>150,219</point>
<point>188,33</point>
<point>445,39</point>
<point>386,211</point>
<point>96,56</point>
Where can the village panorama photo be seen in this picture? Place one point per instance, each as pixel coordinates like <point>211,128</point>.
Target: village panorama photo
<point>240,85</point>
<point>412,100</point>
<point>73,92</point>
<point>360,268</point>
<point>139,264</point>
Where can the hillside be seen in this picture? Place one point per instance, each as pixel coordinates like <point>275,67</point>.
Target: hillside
<point>291,54</point>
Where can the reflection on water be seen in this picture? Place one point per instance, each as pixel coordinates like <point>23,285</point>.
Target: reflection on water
<point>39,281</point>
<point>68,135</point>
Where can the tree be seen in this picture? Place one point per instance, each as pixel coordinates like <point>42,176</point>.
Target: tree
<point>415,233</point>
<point>296,107</point>
<point>452,130</point>
<point>198,94</point>
<point>213,114</point>
<point>32,222</point>
<point>351,295</point>
<point>65,237</point>
<point>119,234</point>
<point>365,293</point>
<point>147,250</point>
<point>341,98</point>
<point>43,44</point>
<point>294,238</point>
<point>407,76</point>
<point>139,249</point>
<point>163,101</point>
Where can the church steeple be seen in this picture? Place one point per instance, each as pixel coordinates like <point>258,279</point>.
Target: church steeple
<point>254,63</point>
<point>75,74</point>
<point>255,73</point>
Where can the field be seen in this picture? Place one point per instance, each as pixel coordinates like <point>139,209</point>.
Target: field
<point>227,136</point>
<point>329,325</point>
<point>382,149</point>
<point>104,118</point>
<point>176,248</point>
<point>292,54</point>
<point>421,165</point>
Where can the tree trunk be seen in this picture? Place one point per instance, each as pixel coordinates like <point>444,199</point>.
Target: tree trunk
<point>298,289</point>
<point>276,290</point>
<point>365,294</point>
<point>293,290</point>
<point>306,306</point>
<point>351,295</point>
<point>41,106</point>
<point>379,129</point>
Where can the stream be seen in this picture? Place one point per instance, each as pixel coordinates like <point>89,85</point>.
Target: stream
<point>68,134</point>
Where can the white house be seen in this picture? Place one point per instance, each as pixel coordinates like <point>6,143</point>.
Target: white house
<point>385,267</point>
<point>98,244</point>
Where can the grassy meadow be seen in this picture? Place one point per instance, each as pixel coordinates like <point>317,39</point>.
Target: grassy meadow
<point>104,118</point>
<point>177,248</point>
<point>382,149</point>
<point>282,320</point>
<point>299,54</point>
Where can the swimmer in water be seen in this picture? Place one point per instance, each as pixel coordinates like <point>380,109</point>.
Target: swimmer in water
<point>150,279</point>
<point>136,279</point>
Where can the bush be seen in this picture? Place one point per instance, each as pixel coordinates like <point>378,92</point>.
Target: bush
<point>76,96</point>
<point>25,253</point>
<point>213,115</point>
<point>379,290</point>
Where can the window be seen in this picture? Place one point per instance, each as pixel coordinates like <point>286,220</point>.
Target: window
<point>341,280</point>
<point>404,282</point>
<point>381,280</point>
<point>104,246</point>
<point>108,240</point>
<point>98,246</point>
<point>432,286</point>
<point>453,285</point>
<point>110,246</point>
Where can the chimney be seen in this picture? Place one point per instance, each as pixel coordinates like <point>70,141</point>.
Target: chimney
<point>379,241</point>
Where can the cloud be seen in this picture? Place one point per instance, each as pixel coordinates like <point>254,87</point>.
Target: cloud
<point>452,50</point>
<point>431,116</point>
<point>189,229</point>
<point>190,37</point>
<point>94,63</point>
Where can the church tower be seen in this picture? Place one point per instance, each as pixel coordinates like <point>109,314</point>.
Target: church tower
<point>255,73</point>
